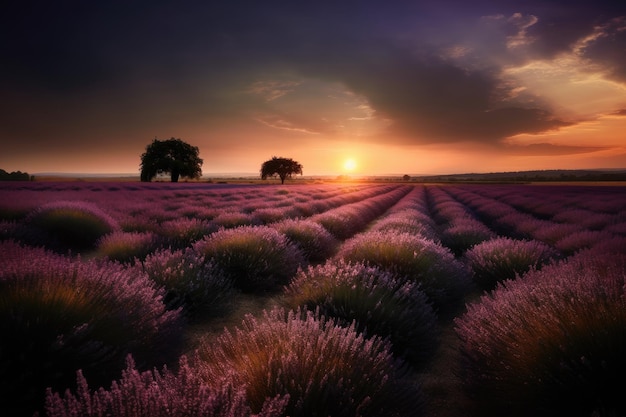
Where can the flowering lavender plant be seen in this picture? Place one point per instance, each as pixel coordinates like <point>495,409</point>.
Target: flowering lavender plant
<point>408,221</point>
<point>325,369</point>
<point>59,315</point>
<point>444,279</point>
<point>156,394</point>
<point>127,246</point>
<point>183,232</point>
<point>232,219</point>
<point>551,342</point>
<point>315,242</point>
<point>503,258</point>
<point>72,224</point>
<point>378,302</point>
<point>464,233</point>
<point>190,281</point>
<point>253,257</point>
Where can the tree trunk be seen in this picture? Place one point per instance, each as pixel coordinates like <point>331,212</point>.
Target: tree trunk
<point>282,178</point>
<point>175,176</point>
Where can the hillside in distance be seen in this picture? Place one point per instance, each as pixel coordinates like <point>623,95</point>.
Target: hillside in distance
<point>618,174</point>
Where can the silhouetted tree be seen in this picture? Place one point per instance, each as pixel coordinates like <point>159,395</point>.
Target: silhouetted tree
<point>172,156</point>
<point>14,176</point>
<point>406,177</point>
<point>283,167</point>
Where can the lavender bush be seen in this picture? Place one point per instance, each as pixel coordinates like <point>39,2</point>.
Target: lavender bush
<point>156,394</point>
<point>581,240</point>
<point>503,258</point>
<point>380,303</point>
<point>190,281</point>
<point>126,246</point>
<point>64,315</point>
<point>408,221</point>
<point>444,279</point>
<point>232,219</point>
<point>71,224</point>
<point>315,242</point>
<point>464,233</point>
<point>324,369</point>
<point>253,257</point>
<point>551,342</point>
<point>183,232</point>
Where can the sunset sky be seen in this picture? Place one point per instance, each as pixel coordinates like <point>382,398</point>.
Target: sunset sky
<point>395,86</point>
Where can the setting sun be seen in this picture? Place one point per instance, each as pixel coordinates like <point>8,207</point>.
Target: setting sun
<point>349,165</point>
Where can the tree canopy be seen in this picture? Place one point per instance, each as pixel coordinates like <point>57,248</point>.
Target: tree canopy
<point>172,156</point>
<point>14,176</point>
<point>282,167</point>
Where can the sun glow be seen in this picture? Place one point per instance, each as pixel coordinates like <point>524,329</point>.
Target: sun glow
<point>349,164</point>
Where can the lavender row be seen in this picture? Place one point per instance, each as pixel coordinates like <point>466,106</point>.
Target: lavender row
<point>567,237</point>
<point>460,228</point>
<point>137,228</point>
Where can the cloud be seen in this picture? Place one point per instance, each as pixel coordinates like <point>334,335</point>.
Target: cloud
<point>428,98</point>
<point>523,23</point>
<point>605,47</point>
<point>282,122</point>
<point>548,149</point>
<point>272,90</point>
<point>427,72</point>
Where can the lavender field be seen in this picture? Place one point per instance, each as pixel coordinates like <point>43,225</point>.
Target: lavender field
<point>354,299</point>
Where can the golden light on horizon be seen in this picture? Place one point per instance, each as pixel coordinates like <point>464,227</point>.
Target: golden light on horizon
<point>349,164</point>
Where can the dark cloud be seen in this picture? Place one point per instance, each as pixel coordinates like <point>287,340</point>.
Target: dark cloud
<point>606,48</point>
<point>77,67</point>
<point>548,149</point>
<point>427,99</point>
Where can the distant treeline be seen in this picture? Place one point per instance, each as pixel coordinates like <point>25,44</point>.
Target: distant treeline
<point>14,176</point>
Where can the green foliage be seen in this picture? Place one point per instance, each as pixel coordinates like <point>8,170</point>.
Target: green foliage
<point>282,167</point>
<point>172,156</point>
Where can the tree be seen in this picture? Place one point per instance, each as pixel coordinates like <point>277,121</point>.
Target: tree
<point>283,167</point>
<point>14,176</point>
<point>172,156</point>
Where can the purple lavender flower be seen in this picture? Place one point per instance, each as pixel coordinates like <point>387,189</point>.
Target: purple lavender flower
<point>253,257</point>
<point>380,303</point>
<point>315,242</point>
<point>63,315</point>
<point>155,394</point>
<point>190,281</point>
<point>551,342</point>
<point>126,246</point>
<point>503,258</point>
<point>444,279</point>
<point>325,369</point>
<point>73,224</point>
